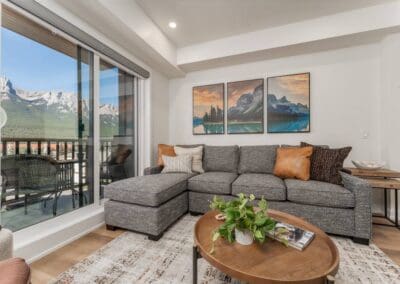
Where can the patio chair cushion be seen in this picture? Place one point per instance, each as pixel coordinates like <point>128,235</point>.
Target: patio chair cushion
<point>151,190</point>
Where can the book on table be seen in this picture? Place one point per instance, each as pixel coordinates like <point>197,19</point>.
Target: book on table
<point>293,236</point>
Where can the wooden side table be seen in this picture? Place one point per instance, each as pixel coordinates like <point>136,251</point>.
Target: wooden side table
<point>386,180</point>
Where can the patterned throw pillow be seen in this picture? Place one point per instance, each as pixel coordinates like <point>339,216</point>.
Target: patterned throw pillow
<point>164,150</point>
<point>326,164</point>
<point>178,164</point>
<point>197,155</point>
<point>293,162</point>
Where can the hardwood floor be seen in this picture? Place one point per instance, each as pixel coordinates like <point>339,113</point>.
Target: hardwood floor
<point>388,240</point>
<point>50,266</point>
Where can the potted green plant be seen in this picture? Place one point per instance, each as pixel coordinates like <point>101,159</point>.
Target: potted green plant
<point>243,222</point>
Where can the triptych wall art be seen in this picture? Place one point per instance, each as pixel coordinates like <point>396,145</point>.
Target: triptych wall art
<point>287,106</point>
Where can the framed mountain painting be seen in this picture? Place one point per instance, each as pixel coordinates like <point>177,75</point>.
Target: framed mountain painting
<point>245,106</point>
<point>288,103</point>
<point>208,109</point>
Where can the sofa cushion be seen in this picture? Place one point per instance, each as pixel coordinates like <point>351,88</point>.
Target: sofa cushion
<point>152,190</point>
<point>319,193</point>
<point>257,159</point>
<point>261,185</point>
<point>221,158</point>
<point>212,182</point>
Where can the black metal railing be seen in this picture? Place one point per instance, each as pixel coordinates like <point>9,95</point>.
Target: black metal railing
<point>59,149</point>
<point>64,151</point>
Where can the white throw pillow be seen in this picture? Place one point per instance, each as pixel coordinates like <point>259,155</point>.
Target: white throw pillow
<point>196,153</point>
<point>178,164</point>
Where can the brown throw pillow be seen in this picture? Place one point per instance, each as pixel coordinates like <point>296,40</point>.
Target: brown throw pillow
<point>326,164</point>
<point>164,150</point>
<point>293,162</point>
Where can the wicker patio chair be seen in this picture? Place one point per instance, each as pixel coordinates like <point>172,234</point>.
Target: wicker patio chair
<point>33,176</point>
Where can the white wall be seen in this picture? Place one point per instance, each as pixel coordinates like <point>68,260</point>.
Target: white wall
<point>390,114</point>
<point>344,100</point>
<point>390,105</point>
<point>159,113</point>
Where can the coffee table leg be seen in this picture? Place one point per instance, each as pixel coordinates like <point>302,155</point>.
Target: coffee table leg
<point>195,257</point>
<point>396,206</point>
<point>330,279</point>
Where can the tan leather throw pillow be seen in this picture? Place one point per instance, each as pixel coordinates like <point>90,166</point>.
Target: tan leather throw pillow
<point>293,162</point>
<point>164,150</point>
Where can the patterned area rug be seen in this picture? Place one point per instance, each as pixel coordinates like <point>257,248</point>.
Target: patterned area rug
<point>132,258</point>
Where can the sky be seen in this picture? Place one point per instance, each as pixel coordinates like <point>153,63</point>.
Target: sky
<point>205,96</point>
<point>294,87</point>
<point>237,89</point>
<point>35,67</point>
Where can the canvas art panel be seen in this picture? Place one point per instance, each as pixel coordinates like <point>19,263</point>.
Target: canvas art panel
<point>208,109</point>
<point>245,106</point>
<point>288,103</point>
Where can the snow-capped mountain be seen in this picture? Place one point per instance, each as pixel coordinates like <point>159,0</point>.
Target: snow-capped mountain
<point>249,107</point>
<point>49,114</point>
<point>108,109</point>
<point>284,107</point>
<point>64,102</point>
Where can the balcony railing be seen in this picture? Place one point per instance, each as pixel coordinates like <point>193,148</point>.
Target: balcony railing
<point>59,149</point>
<point>70,154</point>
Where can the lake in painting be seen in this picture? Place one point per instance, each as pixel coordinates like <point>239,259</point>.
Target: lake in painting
<point>245,127</point>
<point>288,103</point>
<point>299,124</point>
<point>207,128</point>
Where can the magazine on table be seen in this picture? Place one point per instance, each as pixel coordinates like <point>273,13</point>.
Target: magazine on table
<point>295,237</point>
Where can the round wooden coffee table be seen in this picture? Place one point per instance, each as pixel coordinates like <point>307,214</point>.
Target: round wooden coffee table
<point>271,262</point>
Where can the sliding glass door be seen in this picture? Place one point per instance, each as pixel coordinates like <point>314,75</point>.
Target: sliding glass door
<point>47,123</point>
<point>117,119</point>
<point>47,118</point>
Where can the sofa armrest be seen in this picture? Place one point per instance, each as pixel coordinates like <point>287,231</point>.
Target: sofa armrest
<point>363,203</point>
<point>152,170</point>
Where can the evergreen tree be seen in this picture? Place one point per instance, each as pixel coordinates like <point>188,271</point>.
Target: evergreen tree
<point>220,114</point>
<point>213,114</point>
<point>205,117</point>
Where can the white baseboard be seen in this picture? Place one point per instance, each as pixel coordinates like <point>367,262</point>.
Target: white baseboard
<point>37,241</point>
<point>64,243</point>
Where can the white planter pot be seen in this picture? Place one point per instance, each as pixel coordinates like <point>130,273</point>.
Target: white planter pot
<point>244,237</point>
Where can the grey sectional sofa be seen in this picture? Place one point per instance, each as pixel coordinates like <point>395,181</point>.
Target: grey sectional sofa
<point>151,203</point>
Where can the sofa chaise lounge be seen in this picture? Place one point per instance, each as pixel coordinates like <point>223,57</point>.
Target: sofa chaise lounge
<point>151,203</point>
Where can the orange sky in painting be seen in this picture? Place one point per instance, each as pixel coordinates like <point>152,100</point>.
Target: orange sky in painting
<point>294,87</point>
<point>236,89</point>
<point>205,96</point>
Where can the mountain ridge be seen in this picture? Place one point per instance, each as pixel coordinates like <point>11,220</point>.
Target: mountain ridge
<point>37,114</point>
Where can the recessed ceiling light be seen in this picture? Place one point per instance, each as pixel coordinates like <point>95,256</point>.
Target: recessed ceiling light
<point>172,25</point>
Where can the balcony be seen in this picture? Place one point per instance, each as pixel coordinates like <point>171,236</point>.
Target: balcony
<point>43,178</point>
